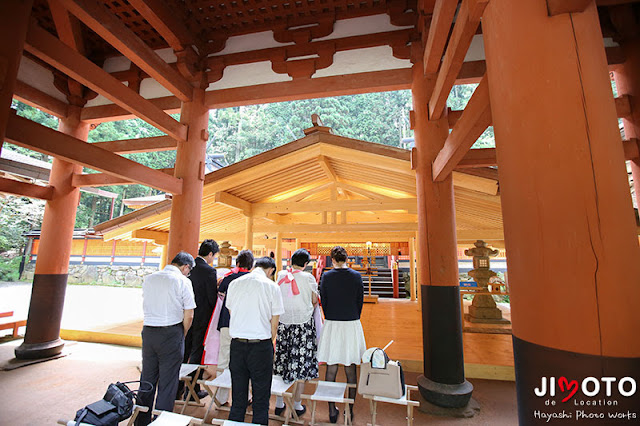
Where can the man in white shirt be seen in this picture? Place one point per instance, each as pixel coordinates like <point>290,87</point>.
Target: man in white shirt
<point>168,304</point>
<point>255,305</point>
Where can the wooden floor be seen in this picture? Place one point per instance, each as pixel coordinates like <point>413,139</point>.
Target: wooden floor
<point>486,355</point>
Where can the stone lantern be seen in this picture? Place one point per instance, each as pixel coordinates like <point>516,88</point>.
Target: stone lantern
<point>226,254</point>
<point>484,308</point>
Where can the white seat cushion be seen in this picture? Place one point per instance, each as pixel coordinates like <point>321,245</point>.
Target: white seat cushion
<point>329,391</point>
<point>186,369</point>
<point>171,419</point>
<point>400,401</point>
<point>232,423</point>
<point>222,381</point>
<point>279,386</point>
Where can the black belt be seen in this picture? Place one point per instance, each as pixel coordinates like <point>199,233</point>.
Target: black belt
<point>250,340</point>
<point>163,326</point>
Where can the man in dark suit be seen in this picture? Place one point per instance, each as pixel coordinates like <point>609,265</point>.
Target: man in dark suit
<point>205,287</point>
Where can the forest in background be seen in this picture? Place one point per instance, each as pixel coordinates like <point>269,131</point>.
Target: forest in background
<point>237,133</point>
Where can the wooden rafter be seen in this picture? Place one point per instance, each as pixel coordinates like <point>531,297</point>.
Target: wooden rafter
<point>15,187</point>
<point>98,179</point>
<point>483,157</point>
<point>38,99</point>
<point>165,21</point>
<point>464,29</point>
<point>51,50</point>
<point>130,146</point>
<point>362,191</point>
<point>159,237</point>
<point>337,228</point>
<point>335,206</point>
<point>113,112</point>
<point>234,202</point>
<point>327,169</point>
<point>114,31</point>
<point>474,120</point>
<point>443,13</point>
<point>29,134</point>
<point>67,27</point>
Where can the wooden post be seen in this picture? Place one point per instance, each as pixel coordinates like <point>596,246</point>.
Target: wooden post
<point>42,338</point>
<point>248,233</point>
<point>163,256</point>
<point>443,383</point>
<point>627,77</point>
<point>14,16</point>
<point>568,223</point>
<point>184,231</point>
<point>412,268</point>
<point>278,251</point>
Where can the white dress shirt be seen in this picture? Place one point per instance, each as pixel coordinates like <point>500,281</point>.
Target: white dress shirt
<point>252,300</point>
<point>298,308</point>
<point>166,295</point>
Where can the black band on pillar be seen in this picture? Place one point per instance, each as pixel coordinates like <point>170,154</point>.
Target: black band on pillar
<point>541,371</point>
<point>442,334</point>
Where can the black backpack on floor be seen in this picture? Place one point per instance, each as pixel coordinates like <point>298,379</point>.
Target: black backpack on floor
<point>114,407</point>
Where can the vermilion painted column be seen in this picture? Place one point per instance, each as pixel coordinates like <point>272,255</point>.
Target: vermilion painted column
<point>184,232</point>
<point>14,16</point>
<point>627,77</point>
<point>443,382</point>
<point>574,260</point>
<point>42,338</point>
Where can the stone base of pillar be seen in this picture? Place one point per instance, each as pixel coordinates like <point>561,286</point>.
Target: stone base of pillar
<point>484,310</point>
<point>39,350</point>
<point>469,410</point>
<point>445,395</point>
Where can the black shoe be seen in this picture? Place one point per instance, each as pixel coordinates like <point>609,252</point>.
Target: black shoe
<point>333,418</point>
<point>279,410</point>
<point>300,413</point>
<point>351,412</point>
<point>202,394</point>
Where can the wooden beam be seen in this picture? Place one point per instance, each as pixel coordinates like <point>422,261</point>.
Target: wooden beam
<point>101,113</point>
<point>326,168</point>
<point>475,183</point>
<point>38,99</point>
<point>362,191</point>
<point>99,192</point>
<point>24,169</point>
<point>159,237</point>
<point>130,146</point>
<point>557,7</point>
<point>323,87</point>
<point>337,228</point>
<point>443,13</point>
<point>483,157</point>
<point>479,234</point>
<point>29,134</point>
<point>474,121</point>
<point>409,204</point>
<point>623,106</point>
<point>116,33</point>
<point>166,22</point>
<point>51,50</point>
<point>67,27</point>
<point>98,179</point>
<point>464,29</point>
<point>301,196</point>
<point>234,202</point>
<point>350,237</point>
<point>10,186</point>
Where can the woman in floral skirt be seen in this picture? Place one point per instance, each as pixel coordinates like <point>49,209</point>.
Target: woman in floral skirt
<point>296,349</point>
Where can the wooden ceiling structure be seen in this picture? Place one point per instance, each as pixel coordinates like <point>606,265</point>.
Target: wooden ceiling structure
<point>321,188</point>
<point>543,68</point>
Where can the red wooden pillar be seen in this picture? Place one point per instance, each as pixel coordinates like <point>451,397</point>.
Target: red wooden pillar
<point>627,77</point>
<point>14,19</point>
<point>443,382</point>
<point>569,231</point>
<point>42,338</point>
<point>184,232</point>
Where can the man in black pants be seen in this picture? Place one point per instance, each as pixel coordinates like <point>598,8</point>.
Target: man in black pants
<point>255,304</point>
<point>205,288</point>
<point>168,304</point>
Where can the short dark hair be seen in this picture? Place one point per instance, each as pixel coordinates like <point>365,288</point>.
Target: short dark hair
<point>183,258</point>
<point>208,246</point>
<point>265,263</point>
<point>339,254</point>
<point>244,259</point>
<point>300,257</point>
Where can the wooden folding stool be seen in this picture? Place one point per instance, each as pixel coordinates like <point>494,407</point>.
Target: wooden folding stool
<point>404,400</point>
<point>330,392</point>
<point>190,382</point>
<point>167,418</point>
<point>279,388</point>
<point>223,380</point>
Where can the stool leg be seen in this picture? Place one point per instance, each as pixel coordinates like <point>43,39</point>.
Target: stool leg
<point>374,414</point>
<point>409,415</point>
<point>313,414</point>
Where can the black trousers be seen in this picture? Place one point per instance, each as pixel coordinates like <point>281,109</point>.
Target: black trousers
<point>162,351</point>
<point>251,361</point>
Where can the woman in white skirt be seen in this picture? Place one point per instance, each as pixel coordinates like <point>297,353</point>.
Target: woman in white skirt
<point>342,339</point>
